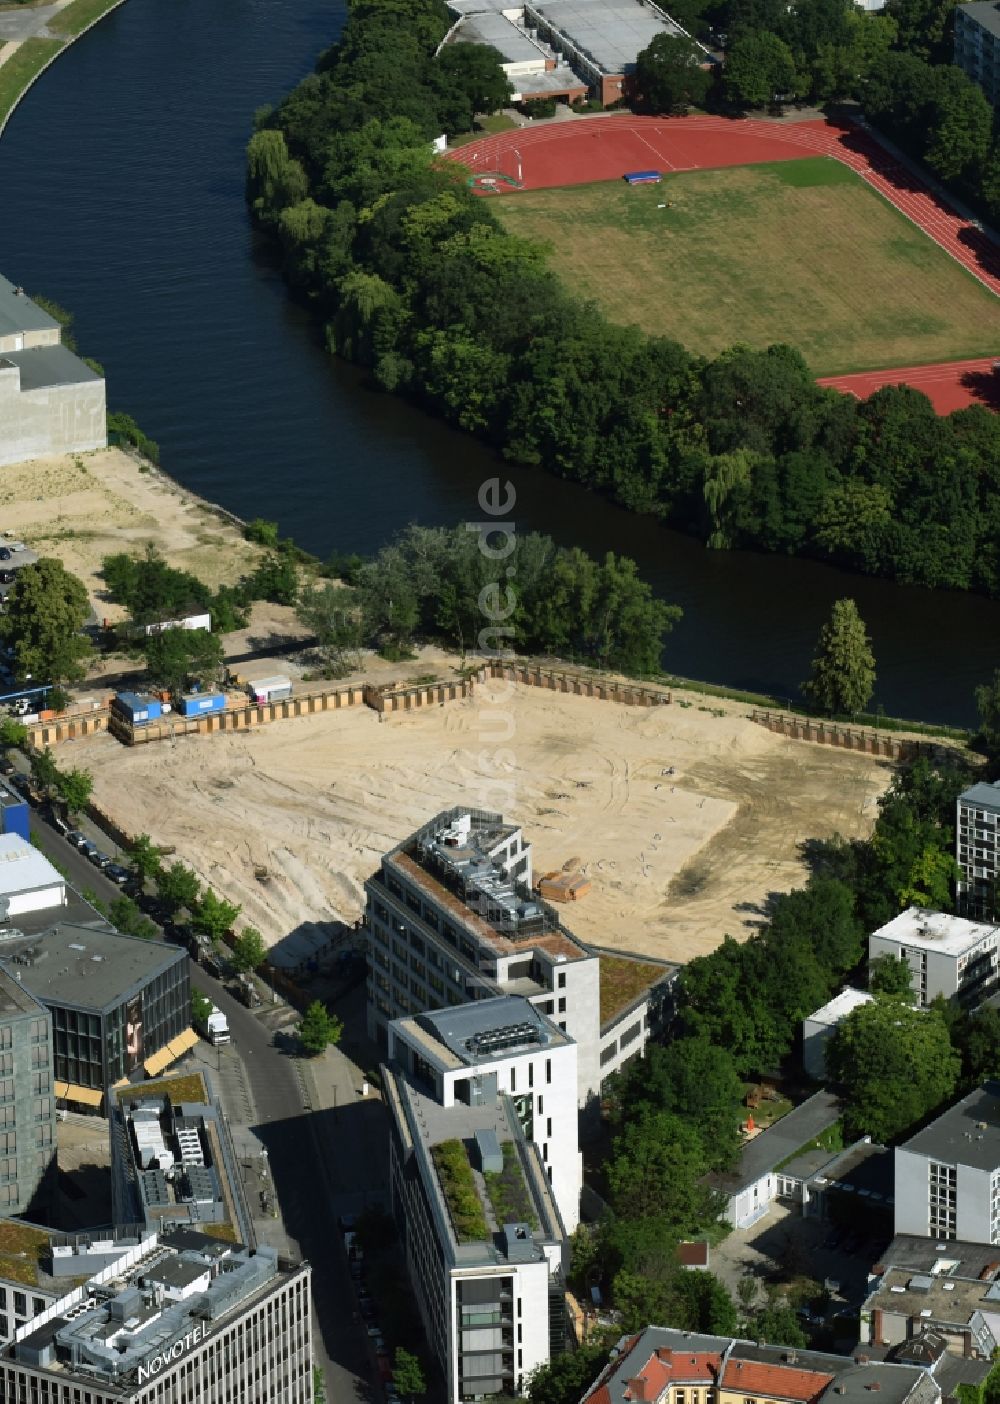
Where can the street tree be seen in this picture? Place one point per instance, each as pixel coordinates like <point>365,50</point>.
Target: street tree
<point>201,1006</point>
<point>843,670</point>
<point>13,735</point>
<point>889,976</point>
<point>896,1063</point>
<point>46,610</point>
<point>248,950</point>
<point>567,1378</point>
<point>145,858</point>
<point>988,704</point>
<point>408,1374</point>
<point>213,916</point>
<point>178,887</point>
<point>759,68</point>
<point>318,1029</point>
<point>44,771</point>
<point>670,75</point>
<point>127,917</point>
<point>75,788</point>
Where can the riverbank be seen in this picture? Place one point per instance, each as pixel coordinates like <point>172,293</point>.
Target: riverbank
<point>35,38</point>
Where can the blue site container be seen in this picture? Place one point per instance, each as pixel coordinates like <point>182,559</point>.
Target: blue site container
<point>196,704</point>
<point>138,709</point>
<point>14,813</point>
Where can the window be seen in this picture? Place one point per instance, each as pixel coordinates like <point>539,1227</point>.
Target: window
<point>513,1079</point>
<point>531,1074</point>
<point>561,980</point>
<point>548,1069</point>
<point>548,1126</point>
<point>562,1004</point>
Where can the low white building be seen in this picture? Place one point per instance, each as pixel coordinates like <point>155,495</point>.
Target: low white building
<point>28,881</point>
<point>818,1028</point>
<point>947,955</point>
<point>483,1167</point>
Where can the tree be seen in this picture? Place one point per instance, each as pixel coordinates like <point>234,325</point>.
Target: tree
<point>655,1168</point>
<point>126,916</point>
<point>201,1006</point>
<point>44,771</point>
<point>249,950</point>
<point>889,976</point>
<point>988,704</point>
<point>567,1378</point>
<point>843,670</point>
<point>896,1064</point>
<point>670,75</point>
<point>777,1324</point>
<point>179,887</point>
<point>145,858</point>
<point>468,79</point>
<point>759,68</point>
<point>318,1029</point>
<point>214,916</point>
<point>13,734</point>
<point>46,610</point>
<point>408,1375</point>
<point>331,612</point>
<point>175,657</point>
<point>695,1080</point>
<point>75,788</point>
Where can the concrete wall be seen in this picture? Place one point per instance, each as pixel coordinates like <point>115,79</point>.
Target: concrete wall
<point>912,1211</point>
<point>29,340</point>
<point>972,1198</point>
<point>815,1038</point>
<point>53,419</point>
<point>850,738</point>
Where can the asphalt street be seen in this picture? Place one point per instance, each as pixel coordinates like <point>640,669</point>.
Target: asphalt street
<point>297,1153</point>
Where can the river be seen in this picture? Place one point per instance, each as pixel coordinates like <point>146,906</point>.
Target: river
<point>121,182</point>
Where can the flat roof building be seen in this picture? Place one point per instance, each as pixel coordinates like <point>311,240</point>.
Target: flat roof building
<point>978,808</point>
<point>27,1142</point>
<point>117,1002</point>
<point>947,955</point>
<point>452,917</point>
<point>819,1027</point>
<point>183,1316</point>
<point>51,402</point>
<point>28,881</point>
<point>947,1176</point>
<point>479,1219</point>
<point>977,45</point>
<point>172,1161</point>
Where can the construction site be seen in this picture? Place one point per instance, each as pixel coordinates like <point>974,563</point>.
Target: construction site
<point>662,828</point>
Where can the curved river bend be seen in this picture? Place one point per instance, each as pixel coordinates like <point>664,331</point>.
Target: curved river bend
<point>121,178</point>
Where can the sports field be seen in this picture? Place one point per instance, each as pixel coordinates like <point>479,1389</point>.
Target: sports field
<point>796,251</point>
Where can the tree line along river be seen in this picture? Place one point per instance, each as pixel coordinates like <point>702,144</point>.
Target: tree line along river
<point>122,190</point>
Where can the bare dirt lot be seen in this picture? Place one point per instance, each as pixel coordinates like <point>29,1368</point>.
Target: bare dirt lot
<point>685,818</point>
<point>83,507</point>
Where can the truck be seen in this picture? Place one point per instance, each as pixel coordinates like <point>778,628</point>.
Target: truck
<point>214,1026</point>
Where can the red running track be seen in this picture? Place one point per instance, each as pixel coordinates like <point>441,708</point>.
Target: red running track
<point>604,148</point>
<point>951,386</point>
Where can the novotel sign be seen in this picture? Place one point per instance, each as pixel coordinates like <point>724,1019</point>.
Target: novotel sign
<point>173,1352</point>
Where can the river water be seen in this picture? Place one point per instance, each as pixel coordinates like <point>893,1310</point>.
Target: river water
<point>121,192</point>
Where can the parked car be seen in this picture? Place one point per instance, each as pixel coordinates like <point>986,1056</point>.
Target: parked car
<point>118,873</point>
<point>99,859</point>
<point>7,766</point>
<point>7,577</point>
<point>87,848</point>
<point>5,553</point>
<point>77,839</point>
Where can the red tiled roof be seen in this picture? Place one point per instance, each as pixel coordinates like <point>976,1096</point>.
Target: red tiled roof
<point>665,1367</point>
<point>775,1381</point>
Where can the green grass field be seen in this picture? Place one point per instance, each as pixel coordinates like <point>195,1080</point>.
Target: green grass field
<point>796,251</point>
<point>23,65</point>
<point>76,17</point>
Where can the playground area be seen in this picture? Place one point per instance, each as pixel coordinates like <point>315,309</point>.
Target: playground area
<point>952,365</point>
<point>761,254</point>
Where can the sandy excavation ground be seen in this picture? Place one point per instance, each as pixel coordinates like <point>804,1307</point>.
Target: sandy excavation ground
<point>83,507</point>
<point>677,860</point>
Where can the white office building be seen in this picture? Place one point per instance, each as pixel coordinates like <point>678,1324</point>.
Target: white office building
<point>976,823</point>
<point>28,881</point>
<point>947,1176</point>
<point>947,955</point>
<point>483,1159</point>
<point>452,917</point>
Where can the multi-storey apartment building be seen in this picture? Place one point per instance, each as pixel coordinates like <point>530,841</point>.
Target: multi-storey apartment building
<point>182,1317</point>
<point>27,1102</point>
<point>661,1366</point>
<point>947,955</point>
<point>947,1176</point>
<point>475,1200</point>
<point>977,45</point>
<point>976,833</point>
<point>452,917</point>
